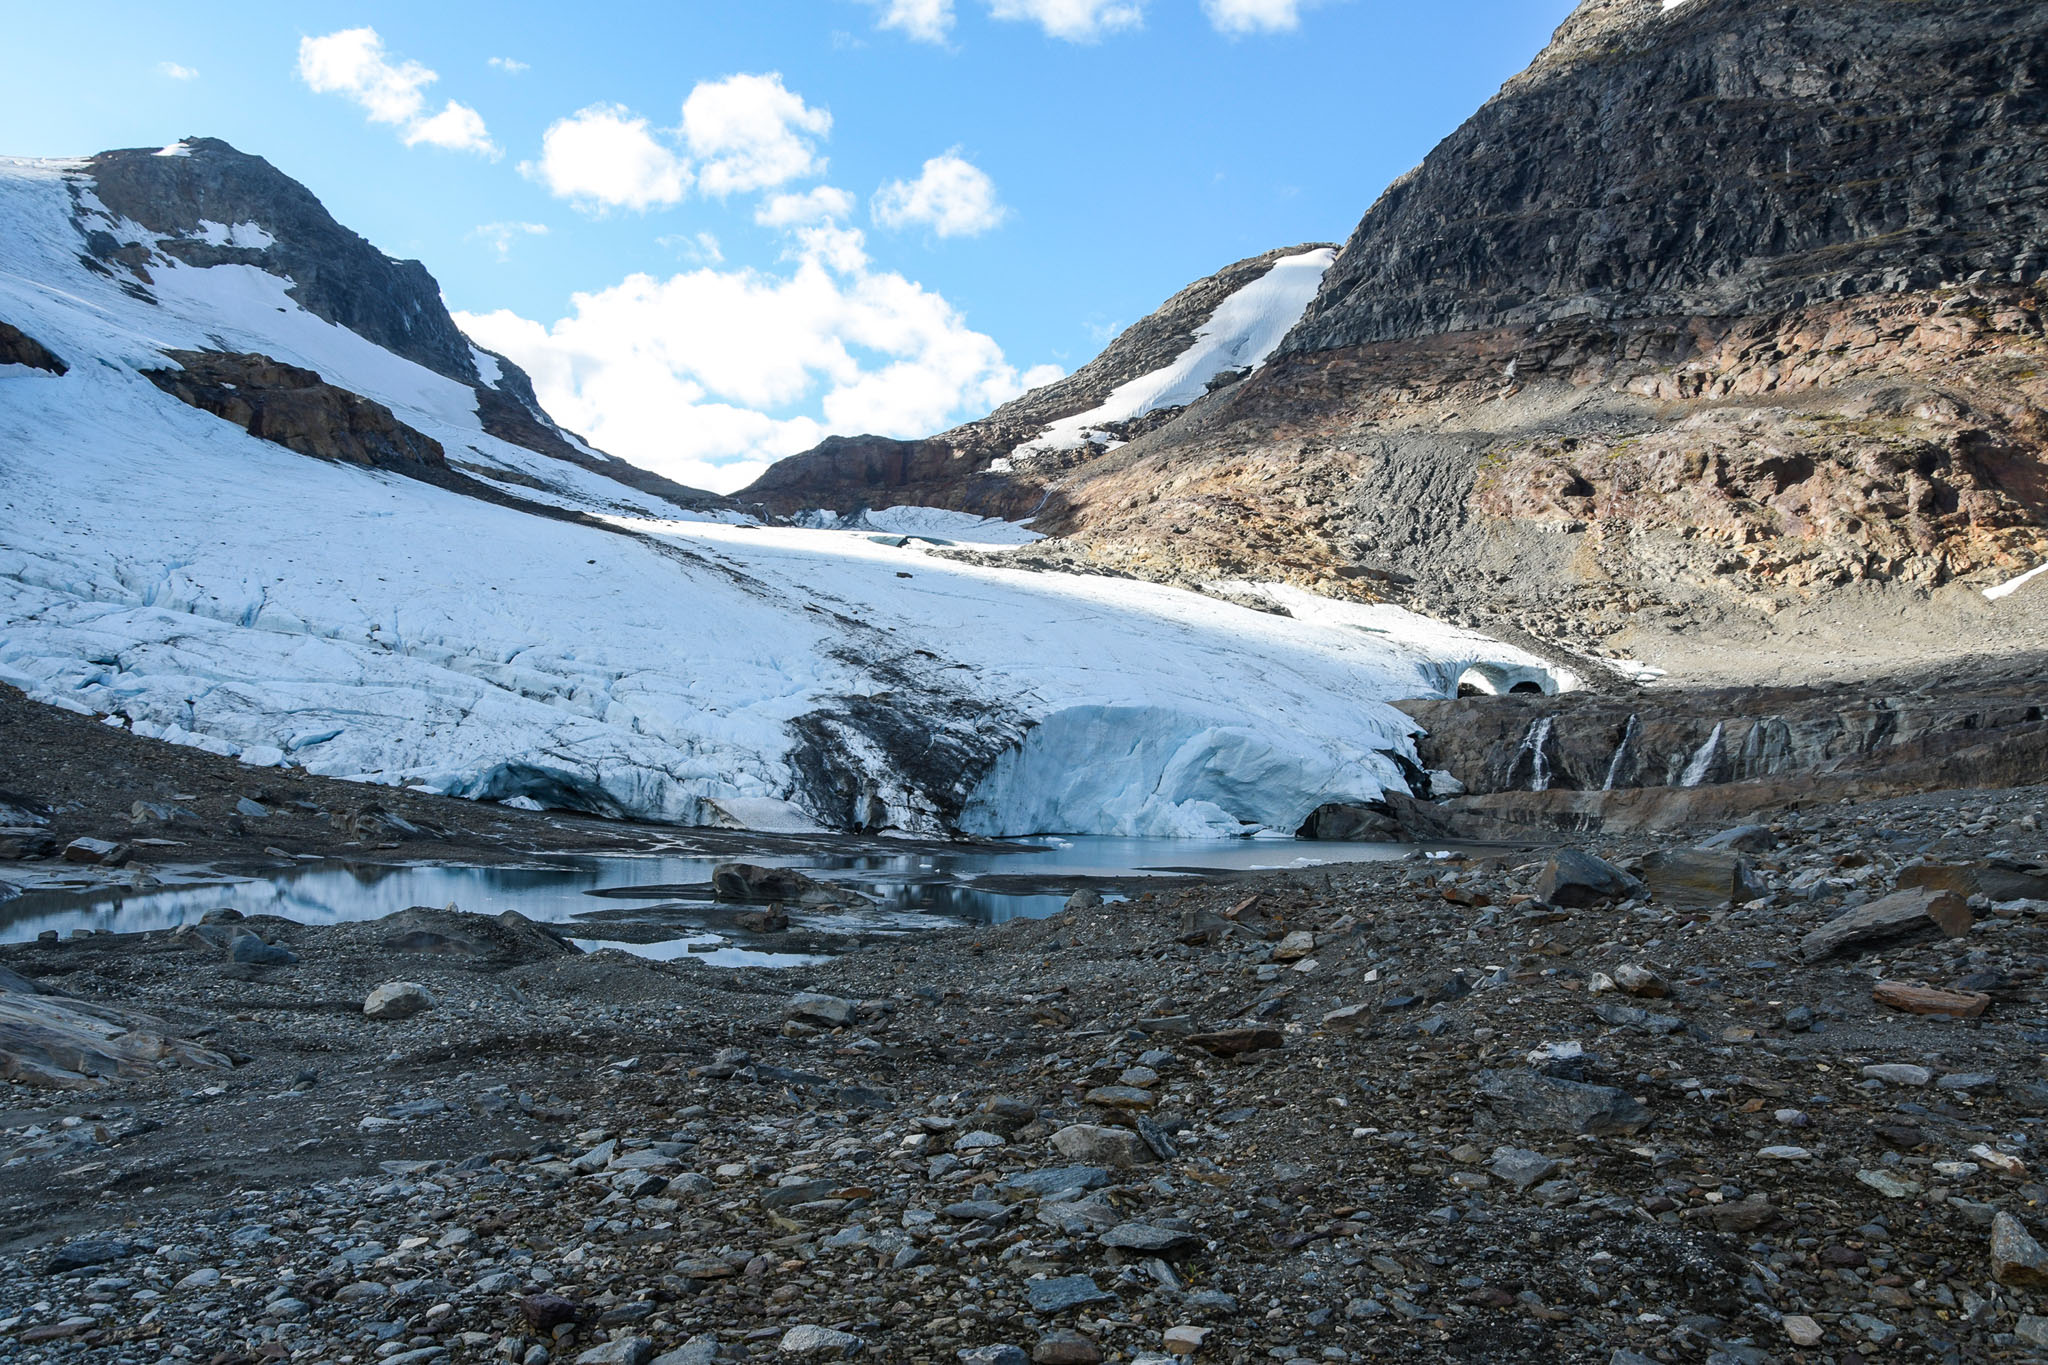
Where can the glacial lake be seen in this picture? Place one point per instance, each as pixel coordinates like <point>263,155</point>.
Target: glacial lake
<point>659,905</point>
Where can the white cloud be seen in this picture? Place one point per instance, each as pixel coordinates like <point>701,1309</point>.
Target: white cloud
<point>709,376</point>
<point>502,235</point>
<point>177,72</point>
<point>751,133</point>
<point>353,63</point>
<point>812,206</point>
<point>606,157</point>
<point>701,247</point>
<point>511,66</point>
<point>458,128</point>
<point>953,197</point>
<point>1237,17</point>
<point>1078,21</point>
<point>927,21</point>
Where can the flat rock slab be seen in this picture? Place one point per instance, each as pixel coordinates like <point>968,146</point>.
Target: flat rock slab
<point>1921,912</point>
<point>1067,1291</point>
<point>1925,1000</point>
<point>57,1043</point>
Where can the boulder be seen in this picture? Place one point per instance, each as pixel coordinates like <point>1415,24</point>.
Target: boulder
<point>1531,1100</point>
<point>1743,839</point>
<point>1093,1145</point>
<point>397,1000</point>
<point>1699,878</point>
<point>2016,1258</point>
<point>821,1343</point>
<point>1575,879</point>
<point>252,951</point>
<point>1921,912</point>
<point>750,882</point>
<point>822,1011</point>
<point>98,852</point>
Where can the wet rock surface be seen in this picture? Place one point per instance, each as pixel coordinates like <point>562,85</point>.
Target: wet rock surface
<point>1477,1125</point>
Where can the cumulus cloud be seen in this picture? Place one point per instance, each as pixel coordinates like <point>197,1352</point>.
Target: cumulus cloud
<point>952,196</point>
<point>177,71</point>
<point>1237,17</point>
<point>511,66</point>
<point>709,376</point>
<point>458,128</point>
<point>352,63</point>
<point>1077,21</point>
<point>812,206</point>
<point>752,133</point>
<point>500,236</point>
<point>927,21</point>
<point>606,156</point>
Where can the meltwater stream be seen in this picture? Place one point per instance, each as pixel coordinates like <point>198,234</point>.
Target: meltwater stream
<point>905,892</point>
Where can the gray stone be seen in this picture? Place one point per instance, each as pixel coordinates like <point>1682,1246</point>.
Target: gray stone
<point>2016,1258</point>
<point>255,952</point>
<point>698,1350</point>
<point>397,1000</point>
<point>1574,879</point>
<point>992,1355</point>
<point>1527,1099</point>
<point>813,1008</point>
<point>807,1339</point>
<point>619,1351</point>
<point>1057,1180</point>
<point>1898,1073</point>
<point>1904,915</point>
<point>1150,1239</point>
<point>1058,1295</point>
<point>1094,1145</point>
<point>1520,1167</point>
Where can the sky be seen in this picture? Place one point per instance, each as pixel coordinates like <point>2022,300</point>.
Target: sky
<point>715,233</point>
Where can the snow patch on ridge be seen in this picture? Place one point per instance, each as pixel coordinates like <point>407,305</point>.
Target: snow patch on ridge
<point>1244,330</point>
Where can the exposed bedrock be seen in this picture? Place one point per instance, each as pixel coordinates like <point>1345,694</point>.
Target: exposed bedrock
<point>1667,760</point>
<point>295,408</point>
<point>19,348</point>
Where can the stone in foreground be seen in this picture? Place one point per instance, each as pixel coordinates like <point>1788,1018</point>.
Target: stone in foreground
<point>397,1000</point>
<point>1531,1100</point>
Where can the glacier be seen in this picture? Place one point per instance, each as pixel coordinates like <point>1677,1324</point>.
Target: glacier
<point>164,569</point>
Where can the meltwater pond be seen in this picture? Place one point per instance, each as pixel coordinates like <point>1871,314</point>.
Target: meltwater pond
<point>660,905</point>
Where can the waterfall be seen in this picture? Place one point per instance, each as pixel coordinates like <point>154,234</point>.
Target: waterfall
<point>1539,763</point>
<point>1628,733</point>
<point>1702,759</point>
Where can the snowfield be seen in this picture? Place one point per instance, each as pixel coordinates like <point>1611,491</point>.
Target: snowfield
<point>1244,330</point>
<point>161,567</point>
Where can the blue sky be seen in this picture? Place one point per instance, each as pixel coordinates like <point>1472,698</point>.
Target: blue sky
<point>897,213</point>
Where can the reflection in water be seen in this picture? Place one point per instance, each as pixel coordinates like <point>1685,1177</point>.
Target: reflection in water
<point>909,890</point>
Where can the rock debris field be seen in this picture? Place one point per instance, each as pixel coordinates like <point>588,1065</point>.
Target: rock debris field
<point>1771,1094</point>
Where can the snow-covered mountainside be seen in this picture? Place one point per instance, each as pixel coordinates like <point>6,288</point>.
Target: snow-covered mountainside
<point>1204,339</point>
<point>230,519</point>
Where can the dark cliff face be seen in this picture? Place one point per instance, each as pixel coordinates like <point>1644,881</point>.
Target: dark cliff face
<point>338,276</point>
<point>1720,158</point>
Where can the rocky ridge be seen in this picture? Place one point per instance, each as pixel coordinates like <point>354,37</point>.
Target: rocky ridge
<point>847,475</point>
<point>1714,340</point>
